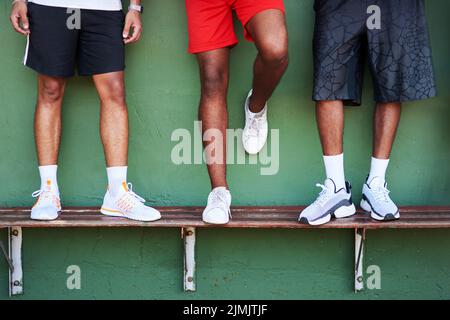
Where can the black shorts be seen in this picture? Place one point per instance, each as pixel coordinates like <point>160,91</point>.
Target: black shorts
<point>398,52</point>
<point>93,46</point>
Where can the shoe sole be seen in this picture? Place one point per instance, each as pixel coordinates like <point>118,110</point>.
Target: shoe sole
<point>216,222</point>
<point>114,213</point>
<point>367,207</point>
<point>342,212</point>
<point>47,219</point>
<point>40,219</point>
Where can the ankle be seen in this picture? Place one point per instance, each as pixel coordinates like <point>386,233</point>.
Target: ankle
<point>378,168</point>
<point>117,188</point>
<point>50,185</point>
<point>334,167</point>
<point>215,185</point>
<point>48,174</point>
<point>256,107</point>
<point>117,179</point>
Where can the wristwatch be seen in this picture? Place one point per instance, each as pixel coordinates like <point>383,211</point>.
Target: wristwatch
<point>136,7</point>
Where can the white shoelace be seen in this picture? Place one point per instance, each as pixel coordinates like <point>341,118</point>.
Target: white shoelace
<point>129,200</point>
<point>381,193</point>
<point>37,193</point>
<point>324,195</point>
<point>217,201</point>
<point>46,195</point>
<point>255,126</point>
<point>130,190</point>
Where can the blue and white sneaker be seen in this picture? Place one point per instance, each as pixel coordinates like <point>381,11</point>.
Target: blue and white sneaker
<point>330,203</point>
<point>376,201</point>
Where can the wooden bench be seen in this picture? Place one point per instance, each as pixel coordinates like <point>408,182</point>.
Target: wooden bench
<point>189,218</point>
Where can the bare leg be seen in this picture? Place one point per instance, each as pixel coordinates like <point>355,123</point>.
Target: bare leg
<point>213,105</point>
<point>114,117</point>
<point>330,121</point>
<point>268,29</point>
<point>47,120</point>
<point>386,120</point>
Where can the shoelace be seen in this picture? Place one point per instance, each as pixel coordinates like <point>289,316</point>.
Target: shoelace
<point>255,126</point>
<point>324,195</point>
<point>45,195</point>
<point>218,202</point>
<point>381,193</point>
<point>37,193</point>
<point>128,201</point>
<point>130,190</point>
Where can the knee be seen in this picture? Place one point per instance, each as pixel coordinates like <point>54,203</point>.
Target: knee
<point>214,81</point>
<point>51,90</point>
<point>114,93</point>
<point>275,53</point>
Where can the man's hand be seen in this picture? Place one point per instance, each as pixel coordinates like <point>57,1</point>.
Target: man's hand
<point>19,18</point>
<point>132,21</point>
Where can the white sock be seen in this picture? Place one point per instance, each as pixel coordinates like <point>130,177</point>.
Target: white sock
<point>378,168</point>
<point>116,177</point>
<point>334,167</point>
<point>48,177</point>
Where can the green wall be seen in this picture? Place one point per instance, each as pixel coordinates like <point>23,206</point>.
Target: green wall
<point>163,92</point>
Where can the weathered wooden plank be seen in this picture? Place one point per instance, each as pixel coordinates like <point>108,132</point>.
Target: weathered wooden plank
<point>237,209</point>
<point>251,216</point>
<point>243,217</point>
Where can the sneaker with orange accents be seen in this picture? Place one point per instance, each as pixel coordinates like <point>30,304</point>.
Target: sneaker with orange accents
<point>128,204</point>
<point>48,204</point>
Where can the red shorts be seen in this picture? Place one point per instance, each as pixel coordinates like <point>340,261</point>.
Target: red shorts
<point>210,22</point>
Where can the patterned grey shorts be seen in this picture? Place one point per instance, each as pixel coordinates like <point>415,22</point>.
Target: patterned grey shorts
<point>395,43</point>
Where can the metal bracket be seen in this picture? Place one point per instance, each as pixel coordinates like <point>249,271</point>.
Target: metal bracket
<point>360,237</point>
<point>188,235</point>
<point>15,258</point>
<point>6,256</point>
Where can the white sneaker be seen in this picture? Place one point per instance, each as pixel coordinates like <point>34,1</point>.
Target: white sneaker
<point>128,204</point>
<point>377,202</point>
<point>330,203</point>
<point>217,210</point>
<point>256,128</point>
<point>48,204</point>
